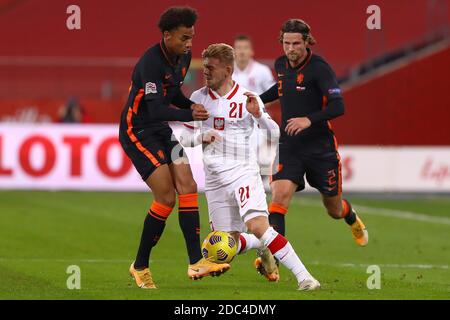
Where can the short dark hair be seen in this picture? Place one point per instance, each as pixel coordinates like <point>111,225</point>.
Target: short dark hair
<point>242,37</point>
<point>297,26</point>
<point>175,17</point>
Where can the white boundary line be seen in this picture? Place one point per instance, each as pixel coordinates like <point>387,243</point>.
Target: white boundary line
<point>407,215</point>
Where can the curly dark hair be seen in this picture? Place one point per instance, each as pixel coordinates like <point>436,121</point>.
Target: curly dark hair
<point>297,26</point>
<point>175,17</point>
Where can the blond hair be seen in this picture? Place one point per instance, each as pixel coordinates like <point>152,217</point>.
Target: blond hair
<point>221,51</point>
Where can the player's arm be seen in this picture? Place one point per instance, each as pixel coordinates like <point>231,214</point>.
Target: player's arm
<point>151,78</point>
<point>158,110</point>
<point>329,88</point>
<point>270,95</point>
<point>162,112</point>
<point>255,106</point>
<point>180,100</point>
<point>191,135</point>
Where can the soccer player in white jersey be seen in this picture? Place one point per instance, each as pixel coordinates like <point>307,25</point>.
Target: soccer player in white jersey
<point>233,186</point>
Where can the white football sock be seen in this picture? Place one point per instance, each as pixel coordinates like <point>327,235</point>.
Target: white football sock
<point>283,251</point>
<point>248,241</point>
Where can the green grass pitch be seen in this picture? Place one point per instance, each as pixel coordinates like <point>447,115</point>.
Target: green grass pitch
<point>42,233</point>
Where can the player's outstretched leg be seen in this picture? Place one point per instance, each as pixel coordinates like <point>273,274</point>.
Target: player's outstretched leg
<point>339,208</point>
<point>283,251</point>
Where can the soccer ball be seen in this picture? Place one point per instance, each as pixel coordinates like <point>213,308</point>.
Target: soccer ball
<point>219,247</point>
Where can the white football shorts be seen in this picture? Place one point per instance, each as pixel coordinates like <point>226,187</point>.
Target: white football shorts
<point>232,205</point>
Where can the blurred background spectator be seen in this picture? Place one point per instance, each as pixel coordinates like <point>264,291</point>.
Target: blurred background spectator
<point>251,74</point>
<point>73,112</point>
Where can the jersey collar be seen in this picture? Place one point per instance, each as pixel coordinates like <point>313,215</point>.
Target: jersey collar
<point>214,95</point>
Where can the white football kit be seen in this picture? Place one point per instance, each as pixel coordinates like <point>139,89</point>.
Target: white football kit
<point>233,186</point>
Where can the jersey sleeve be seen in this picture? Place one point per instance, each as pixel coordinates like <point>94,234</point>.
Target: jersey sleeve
<point>150,74</point>
<point>180,100</point>
<point>270,95</point>
<point>327,83</point>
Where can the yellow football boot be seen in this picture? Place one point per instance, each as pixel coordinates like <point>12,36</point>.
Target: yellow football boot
<point>359,232</point>
<point>143,278</point>
<point>205,267</point>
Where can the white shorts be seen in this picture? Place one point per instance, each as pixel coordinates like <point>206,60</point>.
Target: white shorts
<point>232,205</point>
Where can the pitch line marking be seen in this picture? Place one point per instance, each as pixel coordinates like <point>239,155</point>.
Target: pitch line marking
<point>407,215</point>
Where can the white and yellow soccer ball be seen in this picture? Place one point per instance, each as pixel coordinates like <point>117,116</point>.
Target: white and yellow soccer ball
<point>219,247</point>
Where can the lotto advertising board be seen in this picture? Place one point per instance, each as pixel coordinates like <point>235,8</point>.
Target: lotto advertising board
<point>89,157</point>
